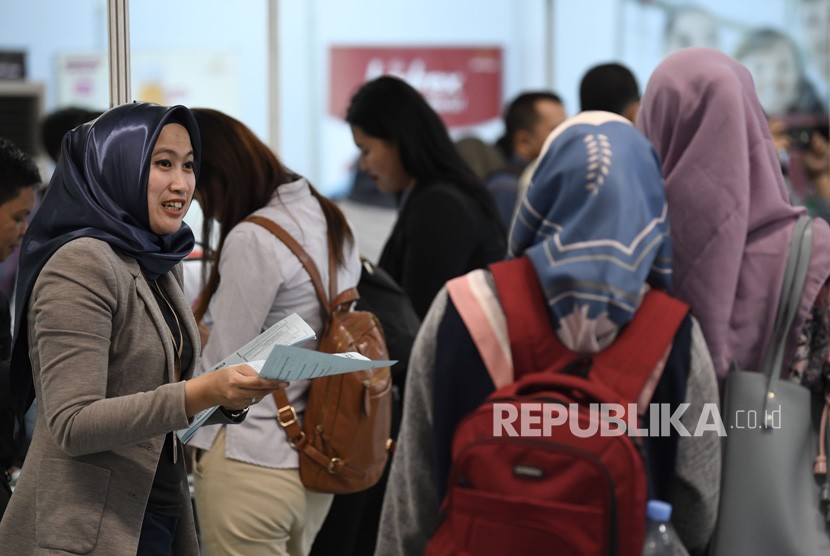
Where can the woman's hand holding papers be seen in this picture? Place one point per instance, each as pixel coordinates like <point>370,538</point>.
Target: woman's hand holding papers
<point>234,387</point>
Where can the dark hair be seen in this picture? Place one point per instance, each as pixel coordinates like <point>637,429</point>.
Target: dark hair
<point>55,125</point>
<point>610,87</point>
<point>390,109</point>
<point>239,175</point>
<point>520,115</point>
<point>17,170</point>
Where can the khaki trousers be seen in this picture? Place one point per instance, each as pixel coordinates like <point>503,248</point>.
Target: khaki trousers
<point>249,510</point>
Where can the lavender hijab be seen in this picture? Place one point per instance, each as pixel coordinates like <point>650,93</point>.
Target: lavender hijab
<point>731,219</point>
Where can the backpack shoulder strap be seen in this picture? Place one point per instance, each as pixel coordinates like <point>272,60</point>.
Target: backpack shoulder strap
<point>636,359</point>
<point>286,414</point>
<point>533,342</point>
<point>339,301</point>
<point>484,319</point>
<point>332,274</point>
<point>631,366</point>
<point>298,251</point>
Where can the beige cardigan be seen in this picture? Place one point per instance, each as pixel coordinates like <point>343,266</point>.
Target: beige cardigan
<point>102,360</point>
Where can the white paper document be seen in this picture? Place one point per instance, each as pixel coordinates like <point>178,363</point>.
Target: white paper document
<point>289,331</point>
<point>293,363</point>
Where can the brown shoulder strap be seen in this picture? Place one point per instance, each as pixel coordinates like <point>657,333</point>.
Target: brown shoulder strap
<point>332,273</point>
<point>301,254</point>
<point>286,414</point>
<point>340,301</point>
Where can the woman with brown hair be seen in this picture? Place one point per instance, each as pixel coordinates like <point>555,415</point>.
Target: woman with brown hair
<point>249,496</point>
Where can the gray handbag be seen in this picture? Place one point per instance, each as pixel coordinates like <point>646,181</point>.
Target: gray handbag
<point>771,501</point>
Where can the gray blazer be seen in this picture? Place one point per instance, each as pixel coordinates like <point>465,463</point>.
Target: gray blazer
<point>103,364</point>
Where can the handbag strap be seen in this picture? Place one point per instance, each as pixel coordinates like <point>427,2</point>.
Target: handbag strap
<point>795,274</point>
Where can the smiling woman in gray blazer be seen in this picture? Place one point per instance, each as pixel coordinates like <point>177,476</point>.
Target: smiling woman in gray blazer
<point>107,343</point>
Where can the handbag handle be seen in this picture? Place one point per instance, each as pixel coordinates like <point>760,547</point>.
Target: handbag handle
<point>795,274</point>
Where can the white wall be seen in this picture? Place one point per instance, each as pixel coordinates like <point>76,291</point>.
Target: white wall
<point>46,28</point>
<point>586,32</point>
<point>43,28</point>
<point>321,147</point>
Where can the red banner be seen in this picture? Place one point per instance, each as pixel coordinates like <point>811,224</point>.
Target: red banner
<point>462,84</point>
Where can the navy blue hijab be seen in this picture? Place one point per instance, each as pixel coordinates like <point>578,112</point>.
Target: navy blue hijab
<point>99,190</point>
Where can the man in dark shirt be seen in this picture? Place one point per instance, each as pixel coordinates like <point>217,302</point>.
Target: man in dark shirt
<point>19,182</point>
<point>528,120</point>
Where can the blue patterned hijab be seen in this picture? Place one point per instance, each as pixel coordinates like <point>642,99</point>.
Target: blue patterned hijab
<point>594,224</point>
<point>99,190</point>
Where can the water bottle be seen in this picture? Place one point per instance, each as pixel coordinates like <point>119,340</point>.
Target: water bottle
<point>661,539</point>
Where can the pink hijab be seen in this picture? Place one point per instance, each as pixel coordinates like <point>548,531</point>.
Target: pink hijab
<point>731,219</point>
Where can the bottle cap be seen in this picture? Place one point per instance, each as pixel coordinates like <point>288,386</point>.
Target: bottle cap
<point>657,510</point>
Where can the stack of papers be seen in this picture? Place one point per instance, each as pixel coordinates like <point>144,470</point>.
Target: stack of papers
<point>274,355</point>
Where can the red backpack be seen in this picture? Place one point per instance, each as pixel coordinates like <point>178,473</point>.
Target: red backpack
<point>560,492</point>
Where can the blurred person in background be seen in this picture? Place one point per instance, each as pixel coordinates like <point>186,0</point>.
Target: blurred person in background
<point>482,157</point>
<point>19,182</point>
<point>814,23</point>
<point>689,25</point>
<point>52,129</point>
<point>447,221</point>
<point>528,120</point>
<point>55,124</point>
<point>778,73</point>
<point>610,87</point>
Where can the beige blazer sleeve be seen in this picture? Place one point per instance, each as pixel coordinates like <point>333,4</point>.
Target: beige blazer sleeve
<point>94,335</point>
